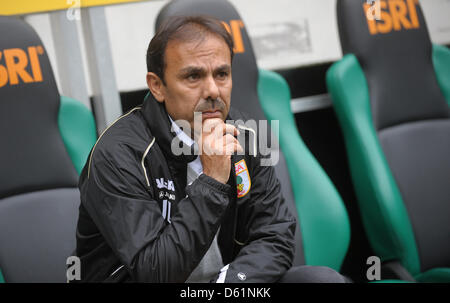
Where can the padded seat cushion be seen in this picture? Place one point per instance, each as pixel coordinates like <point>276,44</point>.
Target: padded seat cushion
<point>39,224</point>
<point>419,157</point>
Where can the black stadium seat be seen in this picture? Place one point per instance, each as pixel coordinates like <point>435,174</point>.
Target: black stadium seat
<point>38,178</point>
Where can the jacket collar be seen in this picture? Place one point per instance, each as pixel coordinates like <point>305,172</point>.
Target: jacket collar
<point>157,118</point>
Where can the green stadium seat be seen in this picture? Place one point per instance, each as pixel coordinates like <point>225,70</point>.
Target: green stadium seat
<point>391,93</point>
<point>323,218</point>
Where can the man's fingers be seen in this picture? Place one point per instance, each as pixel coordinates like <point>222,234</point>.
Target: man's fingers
<point>210,124</point>
<point>232,148</point>
<point>232,145</point>
<point>239,148</point>
<point>217,126</point>
<point>231,129</point>
<point>221,139</point>
<point>225,145</point>
<point>229,139</point>
<point>208,145</point>
<point>225,129</point>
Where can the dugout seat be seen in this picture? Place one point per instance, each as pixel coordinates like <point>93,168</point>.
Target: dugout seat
<point>323,232</point>
<point>45,142</point>
<point>391,93</point>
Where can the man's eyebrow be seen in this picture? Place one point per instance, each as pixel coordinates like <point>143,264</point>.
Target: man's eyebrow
<point>191,70</point>
<point>195,69</point>
<point>223,68</point>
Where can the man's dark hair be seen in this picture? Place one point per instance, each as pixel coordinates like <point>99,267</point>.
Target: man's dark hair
<point>184,29</point>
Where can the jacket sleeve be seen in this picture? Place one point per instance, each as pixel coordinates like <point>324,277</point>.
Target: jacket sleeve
<point>117,198</point>
<point>269,250</point>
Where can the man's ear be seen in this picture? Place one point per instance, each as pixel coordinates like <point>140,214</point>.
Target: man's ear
<point>156,86</point>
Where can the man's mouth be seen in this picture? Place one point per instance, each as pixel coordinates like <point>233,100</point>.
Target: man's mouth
<point>211,114</point>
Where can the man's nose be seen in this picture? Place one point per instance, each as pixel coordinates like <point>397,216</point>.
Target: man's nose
<point>211,90</point>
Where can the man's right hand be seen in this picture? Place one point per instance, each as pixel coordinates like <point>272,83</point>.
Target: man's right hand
<point>217,143</point>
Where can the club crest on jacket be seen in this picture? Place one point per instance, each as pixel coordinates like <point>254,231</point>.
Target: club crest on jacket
<point>243,181</point>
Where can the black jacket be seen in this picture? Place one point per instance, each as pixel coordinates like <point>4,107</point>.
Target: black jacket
<point>139,221</point>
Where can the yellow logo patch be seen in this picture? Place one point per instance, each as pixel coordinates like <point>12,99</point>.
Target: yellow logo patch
<point>396,15</point>
<point>13,64</point>
<point>235,29</point>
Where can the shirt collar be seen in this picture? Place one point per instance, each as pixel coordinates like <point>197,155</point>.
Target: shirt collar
<point>195,165</point>
<point>180,133</point>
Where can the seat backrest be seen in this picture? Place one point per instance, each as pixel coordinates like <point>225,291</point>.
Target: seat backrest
<point>323,217</point>
<point>396,121</point>
<point>38,182</point>
<point>246,98</point>
<point>396,60</point>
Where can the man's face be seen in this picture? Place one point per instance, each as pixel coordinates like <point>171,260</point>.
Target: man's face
<point>198,79</point>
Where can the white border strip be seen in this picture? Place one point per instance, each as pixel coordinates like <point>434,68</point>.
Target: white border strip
<point>143,158</point>
<point>93,149</point>
<point>310,103</point>
<point>120,267</point>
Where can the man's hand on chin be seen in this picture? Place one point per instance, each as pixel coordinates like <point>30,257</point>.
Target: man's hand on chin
<point>217,143</point>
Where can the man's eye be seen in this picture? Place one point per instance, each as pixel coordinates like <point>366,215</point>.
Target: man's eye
<point>222,75</point>
<point>193,77</point>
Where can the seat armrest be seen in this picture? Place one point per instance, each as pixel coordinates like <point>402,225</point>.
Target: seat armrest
<point>78,130</point>
<point>394,270</point>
